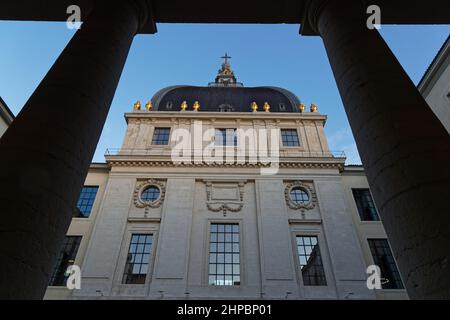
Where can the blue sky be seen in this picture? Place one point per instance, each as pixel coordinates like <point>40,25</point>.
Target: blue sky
<point>190,54</point>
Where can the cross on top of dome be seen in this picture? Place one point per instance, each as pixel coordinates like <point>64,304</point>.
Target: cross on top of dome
<point>225,76</point>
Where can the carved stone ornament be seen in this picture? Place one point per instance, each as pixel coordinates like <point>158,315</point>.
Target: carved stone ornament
<point>224,196</point>
<point>141,186</point>
<point>305,187</point>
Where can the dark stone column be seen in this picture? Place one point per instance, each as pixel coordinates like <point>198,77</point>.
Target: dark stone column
<point>46,152</point>
<point>404,147</point>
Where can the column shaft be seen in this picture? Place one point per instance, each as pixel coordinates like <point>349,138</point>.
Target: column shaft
<point>46,152</point>
<point>403,146</point>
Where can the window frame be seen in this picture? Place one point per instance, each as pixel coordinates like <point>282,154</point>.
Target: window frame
<point>210,222</point>
<point>168,136</point>
<point>378,220</point>
<point>93,203</point>
<point>138,233</point>
<point>303,191</point>
<point>146,228</point>
<point>282,145</point>
<point>319,243</point>
<point>368,239</point>
<point>75,262</point>
<point>141,192</point>
<point>309,230</point>
<point>225,137</point>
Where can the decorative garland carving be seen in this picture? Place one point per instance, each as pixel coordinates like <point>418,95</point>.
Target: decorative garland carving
<point>224,206</point>
<point>140,187</point>
<point>300,206</point>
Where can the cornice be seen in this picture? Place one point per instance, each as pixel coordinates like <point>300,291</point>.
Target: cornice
<point>143,115</point>
<point>117,162</point>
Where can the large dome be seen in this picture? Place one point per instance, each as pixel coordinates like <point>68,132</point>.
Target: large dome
<point>237,99</point>
<point>225,94</point>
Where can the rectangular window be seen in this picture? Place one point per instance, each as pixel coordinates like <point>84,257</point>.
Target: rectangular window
<point>224,255</point>
<point>290,138</point>
<point>366,207</point>
<point>86,201</point>
<point>310,259</point>
<point>66,258</point>
<point>383,258</point>
<point>138,259</point>
<point>225,137</point>
<point>161,136</point>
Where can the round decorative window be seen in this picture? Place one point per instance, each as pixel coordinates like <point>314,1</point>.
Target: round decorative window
<point>150,194</point>
<point>299,196</point>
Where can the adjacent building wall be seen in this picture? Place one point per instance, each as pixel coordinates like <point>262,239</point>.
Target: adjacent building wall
<point>6,117</point>
<point>435,85</point>
<point>98,176</point>
<point>354,178</point>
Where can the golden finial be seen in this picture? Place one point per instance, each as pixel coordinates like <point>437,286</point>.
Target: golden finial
<point>149,106</point>
<point>196,106</point>
<point>184,106</point>
<point>266,107</point>
<point>254,106</point>
<point>313,107</point>
<point>137,105</point>
<point>302,107</point>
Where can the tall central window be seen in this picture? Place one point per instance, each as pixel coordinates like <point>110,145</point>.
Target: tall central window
<point>161,136</point>
<point>310,260</point>
<point>138,259</point>
<point>225,137</point>
<point>224,259</point>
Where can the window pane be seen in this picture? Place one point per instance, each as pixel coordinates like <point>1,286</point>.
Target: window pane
<point>299,195</point>
<point>366,207</point>
<point>225,137</point>
<point>65,259</point>
<point>224,269</point>
<point>310,261</point>
<point>150,194</point>
<point>382,257</point>
<point>161,136</point>
<point>138,257</point>
<point>86,201</point>
<point>290,137</point>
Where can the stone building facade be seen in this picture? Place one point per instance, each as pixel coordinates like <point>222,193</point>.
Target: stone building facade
<point>171,217</point>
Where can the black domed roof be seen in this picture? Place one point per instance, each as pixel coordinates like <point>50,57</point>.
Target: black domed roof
<point>225,94</point>
<point>237,99</point>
